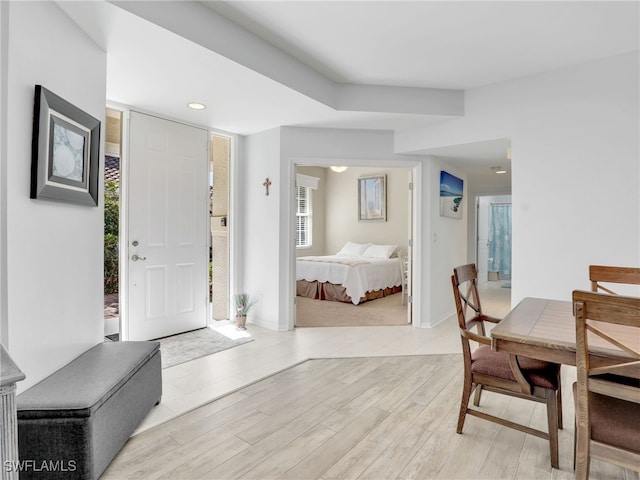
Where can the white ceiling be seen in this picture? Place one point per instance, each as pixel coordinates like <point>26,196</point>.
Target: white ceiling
<point>438,44</point>
<point>419,44</point>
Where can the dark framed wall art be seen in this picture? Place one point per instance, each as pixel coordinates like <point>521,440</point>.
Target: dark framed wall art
<point>64,151</point>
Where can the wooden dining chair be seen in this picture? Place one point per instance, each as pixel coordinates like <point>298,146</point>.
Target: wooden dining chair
<point>499,372</point>
<point>607,397</point>
<point>599,275</point>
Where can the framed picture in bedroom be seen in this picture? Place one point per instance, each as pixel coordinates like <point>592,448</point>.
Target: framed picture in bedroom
<point>64,151</point>
<point>372,198</point>
<point>451,188</point>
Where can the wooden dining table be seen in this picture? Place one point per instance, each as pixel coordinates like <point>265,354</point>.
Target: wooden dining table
<point>545,329</point>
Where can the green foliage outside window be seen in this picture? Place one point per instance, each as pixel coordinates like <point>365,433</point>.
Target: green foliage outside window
<point>111,220</point>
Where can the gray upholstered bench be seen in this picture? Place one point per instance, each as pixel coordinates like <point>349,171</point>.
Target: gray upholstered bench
<point>74,422</point>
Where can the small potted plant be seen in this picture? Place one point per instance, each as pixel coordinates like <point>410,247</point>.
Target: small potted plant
<point>242,303</point>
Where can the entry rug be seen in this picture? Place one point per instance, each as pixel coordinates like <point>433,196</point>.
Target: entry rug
<point>188,346</point>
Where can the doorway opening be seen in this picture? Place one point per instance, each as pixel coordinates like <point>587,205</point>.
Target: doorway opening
<point>327,222</point>
<point>219,227</point>
<point>112,206</point>
<point>494,240</point>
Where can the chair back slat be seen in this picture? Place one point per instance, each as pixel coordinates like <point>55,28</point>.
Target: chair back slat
<point>468,308</point>
<point>590,307</point>
<point>621,310</point>
<point>599,274</point>
<point>613,341</point>
<point>613,389</point>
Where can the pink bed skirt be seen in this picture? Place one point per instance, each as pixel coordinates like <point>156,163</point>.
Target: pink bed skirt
<point>337,293</point>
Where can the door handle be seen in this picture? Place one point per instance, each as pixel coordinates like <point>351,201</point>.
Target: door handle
<point>135,257</point>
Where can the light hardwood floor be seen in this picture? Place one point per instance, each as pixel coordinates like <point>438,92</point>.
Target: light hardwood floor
<point>379,403</point>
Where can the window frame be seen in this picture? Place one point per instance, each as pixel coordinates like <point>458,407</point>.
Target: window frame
<point>308,215</point>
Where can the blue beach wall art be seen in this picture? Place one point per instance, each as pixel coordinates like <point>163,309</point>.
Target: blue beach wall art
<point>451,188</point>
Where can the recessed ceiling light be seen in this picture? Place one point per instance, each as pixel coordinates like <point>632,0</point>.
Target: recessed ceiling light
<point>498,170</point>
<point>196,105</point>
<point>501,171</point>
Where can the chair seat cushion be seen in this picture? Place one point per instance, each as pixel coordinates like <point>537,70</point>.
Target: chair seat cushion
<point>614,421</point>
<point>485,361</point>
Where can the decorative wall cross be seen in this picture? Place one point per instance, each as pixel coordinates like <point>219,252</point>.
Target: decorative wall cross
<point>266,185</point>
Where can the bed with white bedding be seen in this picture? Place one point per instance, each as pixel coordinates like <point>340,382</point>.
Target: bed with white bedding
<point>357,273</point>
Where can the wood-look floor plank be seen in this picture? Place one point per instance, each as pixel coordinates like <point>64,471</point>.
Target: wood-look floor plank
<point>362,370</point>
<point>528,473</point>
<point>357,460</point>
<point>313,466</point>
<point>362,402</point>
<point>442,375</point>
<point>193,454</point>
<point>272,423</point>
<point>297,388</point>
<point>188,419</point>
<point>136,452</point>
<point>432,455</point>
<point>194,468</point>
<point>392,460</point>
<point>210,450</point>
<point>285,459</point>
<point>503,457</point>
<point>239,465</point>
<point>474,444</point>
<point>412,382</point>
<point>188,433</point>
<point>350,391</point>
<point>360,418</point>
<point>439,418</point>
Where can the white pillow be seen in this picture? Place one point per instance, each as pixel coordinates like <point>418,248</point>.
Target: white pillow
<point>380,251</point>
<point>352,249</point>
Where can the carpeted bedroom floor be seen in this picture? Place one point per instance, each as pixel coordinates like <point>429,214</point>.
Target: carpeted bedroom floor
<point>384,311</point>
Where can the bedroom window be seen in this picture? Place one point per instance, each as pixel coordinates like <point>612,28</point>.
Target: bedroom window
<point>303,217</point>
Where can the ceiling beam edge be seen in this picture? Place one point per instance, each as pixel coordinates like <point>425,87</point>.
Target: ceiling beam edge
<point>205,27</point>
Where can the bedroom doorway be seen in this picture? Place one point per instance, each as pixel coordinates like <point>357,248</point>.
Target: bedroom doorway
<point>327,220</point>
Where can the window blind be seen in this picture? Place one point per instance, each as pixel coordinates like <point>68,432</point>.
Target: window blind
<point>303,217</point>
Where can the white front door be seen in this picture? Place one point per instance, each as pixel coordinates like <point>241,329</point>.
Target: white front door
<point>168,210</point>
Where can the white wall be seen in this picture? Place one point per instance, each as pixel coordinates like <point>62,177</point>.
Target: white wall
<point>342,210</point>
<point>575,169</point>
<point>54,261</point>
<point>446,243</point>
<point>260,220</point>
<point>4,62</point>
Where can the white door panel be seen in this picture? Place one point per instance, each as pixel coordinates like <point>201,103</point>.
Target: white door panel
<point>168,210</point>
